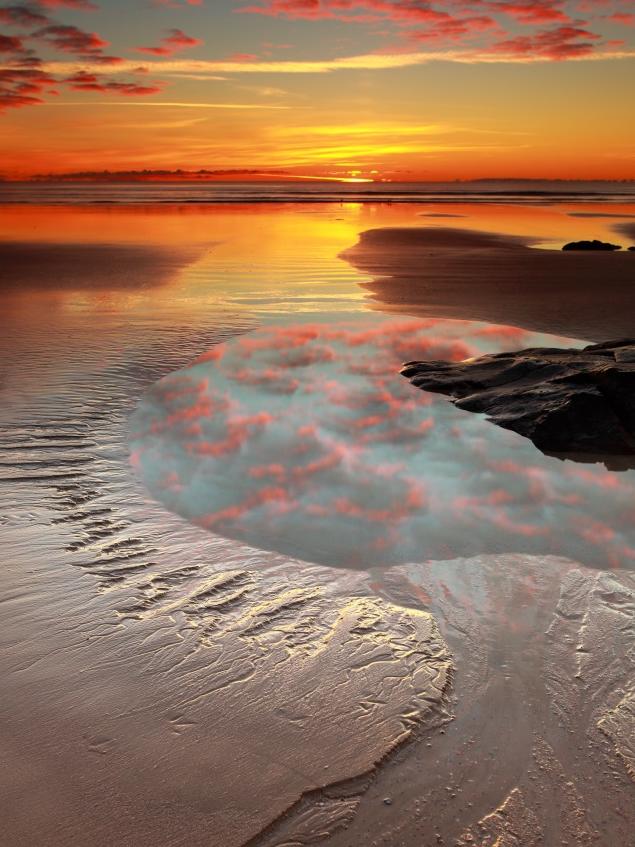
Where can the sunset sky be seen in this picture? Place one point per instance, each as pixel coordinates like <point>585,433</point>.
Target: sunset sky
<point>381,89</point>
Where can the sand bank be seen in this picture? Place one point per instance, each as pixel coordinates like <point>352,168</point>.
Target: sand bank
<point>86,266</point>
<point>468,275</point>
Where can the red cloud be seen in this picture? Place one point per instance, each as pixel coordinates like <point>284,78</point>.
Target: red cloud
<point>71,39</point>
<point>175,41</point>
<point>561,42</point>
<point>271,379</point>
<point>622,18</point>
<point>10,44</point>
<point>406,11</point>
<point>239,430</point>
<point>242,57</point>
<point>68,4</point>
<point>512,334</point>
<point>462,20</point>
<point>22,83</point>
<point>174,4</point>
<point>22,16</point>
<point>534,11</point>
<point>340,10</point>
<point>83,81</point>
<point>456,29</point>
<point>413,499</point>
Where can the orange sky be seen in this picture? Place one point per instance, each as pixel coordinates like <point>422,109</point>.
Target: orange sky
<point>372,89</point>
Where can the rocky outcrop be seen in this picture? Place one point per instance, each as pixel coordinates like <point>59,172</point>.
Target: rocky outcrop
<point>575,402</point>
<point>591,245</point>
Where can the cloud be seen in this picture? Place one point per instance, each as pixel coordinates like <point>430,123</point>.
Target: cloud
<point>369,61</point>
<point>625,18</point>
<point>184,105</point>
<point>458,29</point>
<point>561,42</point>
<point>348,11</point>
<point>85,5</point>
<point>534,11</point>
<point>71,39</point>
<point>175,4</point>
<point>22,84</point>
<point>10,44</point>
<point>24,80</point>
<point>23,16</point>
<point>175,41</point>
<point>477,31</point>
<point>83,81</point>
<point>461,21</point>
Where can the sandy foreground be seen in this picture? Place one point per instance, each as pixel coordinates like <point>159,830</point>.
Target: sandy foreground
<point>163,686</point>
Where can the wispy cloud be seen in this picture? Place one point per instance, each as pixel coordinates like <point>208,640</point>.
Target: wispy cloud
<point>366,61</point>
<point>171,104</point>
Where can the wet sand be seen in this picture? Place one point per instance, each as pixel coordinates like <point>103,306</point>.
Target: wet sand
<point>469,275</point>
<point>163,686</point>
<point>85,266</point>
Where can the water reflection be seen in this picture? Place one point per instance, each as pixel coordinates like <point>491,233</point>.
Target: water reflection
<point>303,439</point>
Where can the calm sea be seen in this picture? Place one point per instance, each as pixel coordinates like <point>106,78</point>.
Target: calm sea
<point>508,191</point>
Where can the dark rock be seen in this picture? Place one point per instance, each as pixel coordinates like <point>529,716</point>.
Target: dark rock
<point>573,402</point>
<point>631,249</point>
<point>591,245</point>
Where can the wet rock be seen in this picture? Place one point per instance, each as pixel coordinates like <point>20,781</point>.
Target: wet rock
<point>591,245</point>
<point>575,402</point>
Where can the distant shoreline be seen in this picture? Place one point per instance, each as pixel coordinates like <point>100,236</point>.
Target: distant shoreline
<point>161,192</point>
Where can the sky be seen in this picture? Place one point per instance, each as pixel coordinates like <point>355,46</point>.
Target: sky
<point>391,90</point>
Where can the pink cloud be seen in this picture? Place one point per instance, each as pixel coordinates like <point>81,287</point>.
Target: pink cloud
<point>462,21</point>
<point>83,81</point>
<point>625,18</point>
<point>268,495</point>
<point>242,57</point>
<point>71,39</point>
<point>174,42</point>
<point>413,499</point>
<point>561,42</point>
<point>175,4</point>
<point>239,431</point>
<point>86,5</point>
<point>511,334</point>
<point>457,29</point>
<point>213,355</point>
<point>22,84</point>
<point>270,379</point>
<point>534,11</point>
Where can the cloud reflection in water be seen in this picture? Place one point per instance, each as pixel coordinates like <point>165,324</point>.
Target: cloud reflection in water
<point>304,439</point>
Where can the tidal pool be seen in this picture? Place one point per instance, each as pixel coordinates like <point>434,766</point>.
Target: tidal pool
<point>304,439</point>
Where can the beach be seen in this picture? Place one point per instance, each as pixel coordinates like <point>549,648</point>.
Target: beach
<point>170,678</point>
<point>451,273</point>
